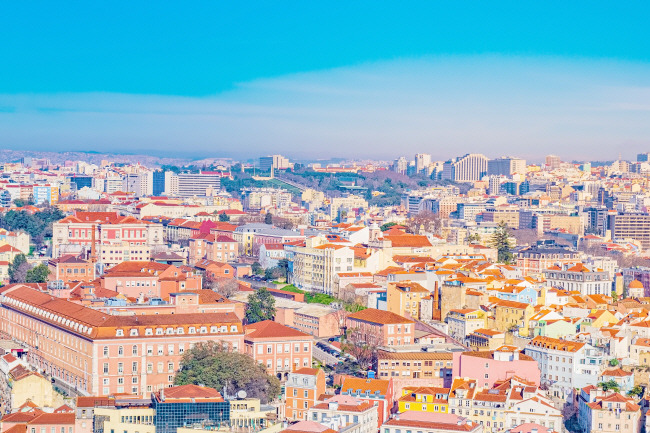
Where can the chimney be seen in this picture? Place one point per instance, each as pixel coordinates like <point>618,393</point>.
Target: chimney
<point>162,394</point>
<point>93,248</point>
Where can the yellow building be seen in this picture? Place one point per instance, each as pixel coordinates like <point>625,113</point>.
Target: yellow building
<point>27,385</point>
<point>511,315</point>
<point>598,319</point>
<point>127,419</point>
<point>424,399</point>
<point>404,298</point>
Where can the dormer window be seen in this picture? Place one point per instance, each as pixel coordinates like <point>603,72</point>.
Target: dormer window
<point>192,330</point>
<point>119,333</point>
<point>160,331</point>
<point>134,333</point>
<point>180,330</point>
<point>214,329</point>
<point>203,330</point>
<point>233,328</point>
<point>148,331</point>
<point>170,331</point>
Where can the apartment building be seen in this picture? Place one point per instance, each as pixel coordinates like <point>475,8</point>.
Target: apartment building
<point>635,226</point>
<point>431,368</point>
<point>424,399</point>
<point>537,258</point>
<point>381,328</point>
<point>468,168</point>
<point>489,367</point>
<point>101,354</point>
<point>304,387</point>
<point>345,413</point>
<point>433,422</point>
<point>116,238</point>
<point>214,247</point>
<point>607,412</point>
<point>316,265</point>
<point>462,322</point>
<point>580,278</point>
<point>565,365</point>
<point>403,298</point>
<point>279,348</point>
<point>376,391</point>
<point>70,268</point>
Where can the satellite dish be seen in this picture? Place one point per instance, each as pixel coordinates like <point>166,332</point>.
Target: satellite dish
<point>241,394</point>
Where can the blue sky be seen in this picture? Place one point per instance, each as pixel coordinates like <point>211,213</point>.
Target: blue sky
<point>375,79</point>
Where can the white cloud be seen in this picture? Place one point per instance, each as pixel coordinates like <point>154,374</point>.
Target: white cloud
<point>443,106</point>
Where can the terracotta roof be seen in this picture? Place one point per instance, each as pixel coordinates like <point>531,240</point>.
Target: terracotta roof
<point>352,384</point>
<point>555,344</point>
<point>433,421</point>
<point>273,330</point>
<point>419,355</point>
<point>307,371</point>
<point>379,316</point>
<point>188,392</point>
<point>636,284</point>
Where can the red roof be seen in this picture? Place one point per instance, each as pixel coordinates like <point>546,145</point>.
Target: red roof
<point>271,329</point>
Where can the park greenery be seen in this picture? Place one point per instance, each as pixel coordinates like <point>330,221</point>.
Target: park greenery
<point>38,225</point>
<point>210,364</point>
<point>20,271</point>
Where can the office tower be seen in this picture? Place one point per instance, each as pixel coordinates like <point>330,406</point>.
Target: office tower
<point>506,166</point>
<point>468,168</point>
<point>198,184</point>
<point>553,162</point>
<point>643,157</point>
<point>158,182</point>
<point>494,186</point>
<point>275,162</point>
<point>400,165</point>
<point>422,161</point>
<point>139,183</point>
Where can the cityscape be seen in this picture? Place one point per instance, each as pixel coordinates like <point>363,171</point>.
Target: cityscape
<point>309,217</point>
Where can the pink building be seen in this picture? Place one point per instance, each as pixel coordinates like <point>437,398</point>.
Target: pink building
<point>487,367</point>
<point>107,354</point>
<point>382,328</point>
<point>280,348</point>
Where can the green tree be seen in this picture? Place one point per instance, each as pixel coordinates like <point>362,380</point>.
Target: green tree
<point>18,269</point>
<point>38,274</point>
<point>223,217</point>
<point>19,203</point>
<point>614,296</point>
<point>637,391</point>
<point>386,226</point>
<point>261,306</point>
<point>474,238</point>
<point>613,362</point>
<point>211,365</point>
<point>268,218</point>
<point>256,268</point>
<point>501,242</point>
<point>610,385</point>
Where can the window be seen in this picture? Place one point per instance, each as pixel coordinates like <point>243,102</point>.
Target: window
<point>105,351</point>
<point>106,368</point>
<point>134,367</point>
<point>120,368</point>
<point>134,350</point>
<point>120,351</point>
<point>306,394</point>
<point>119,333</point>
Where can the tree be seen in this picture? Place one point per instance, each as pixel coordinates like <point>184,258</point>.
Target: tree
<point>19,203</point>
<point>223,217</point>
<point>261,306</point>
<point>211,365</point>
<point>38,274</point>
<point>18,269</point>
<point>268,218</point>
<point>501,242</point>
<point>614,296</point>
<point>362,344</point>
<point>223,286</point>
<point>386,226</point>
<point>610,385</point>
<point>637,391</point>
<point>257,268</point>
<point>473,238</point>
<point>613,362</point>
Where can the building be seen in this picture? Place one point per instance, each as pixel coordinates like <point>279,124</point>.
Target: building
<point>273,162</point>
<point>302,390</point>
<point>280,348</point>
<point>349,205</point>
<point>627,225</point>
<point>314,267</point>
<point>214,247</point>
<point>140,184</point>
<point>189,406</point>
<point>376,391</point>
<point>432,422</point>
<point>565,365</point>
<point>428,368</point>
<point>98,353</point>
<point>537,258</point>
<point>506,166</point>
<point>424,399</point>
<point>115,238</point>
<point>485,339</point>
<point>463,322</point>
<point>345,413</point>
<point>489,367</point>
<point>422,162</point>
<point>580,278</point>
<point>404,298</point>
<point>607,412</point>
<point>468,168</point>
<point>204,183</point>
<point>381,328</point>
<point>513,316</point>
<point>70,268</point>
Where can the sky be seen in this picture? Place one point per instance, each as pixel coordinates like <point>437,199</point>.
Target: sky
<point>327,79</point>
